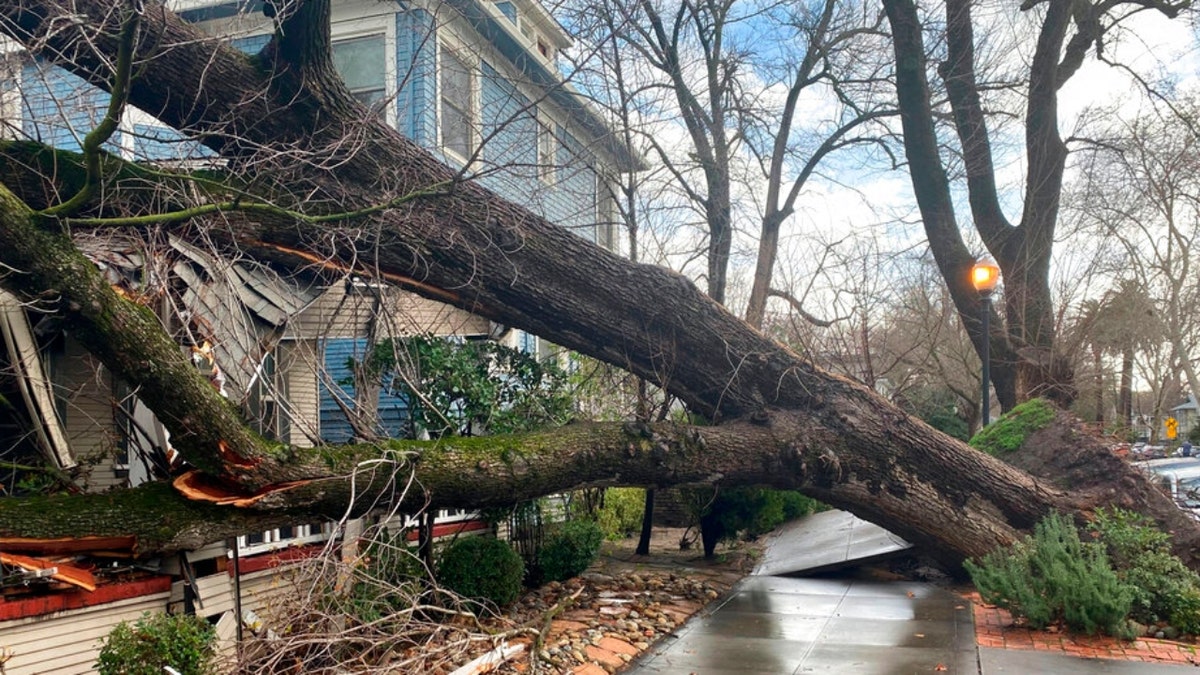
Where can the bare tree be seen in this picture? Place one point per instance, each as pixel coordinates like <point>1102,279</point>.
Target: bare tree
<point>1025,361</point>
<point>1142,196</point>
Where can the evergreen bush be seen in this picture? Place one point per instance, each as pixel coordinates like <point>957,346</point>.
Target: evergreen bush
<point>1164,589</point>
<point>1054,576</point>
<point>482,568</point>
<point>184,642</point>
<point>570,550</point>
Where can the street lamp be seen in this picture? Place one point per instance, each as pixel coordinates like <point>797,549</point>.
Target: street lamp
<point>984,276</point>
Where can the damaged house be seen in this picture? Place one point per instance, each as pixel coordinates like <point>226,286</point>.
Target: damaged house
<point>473,81</point>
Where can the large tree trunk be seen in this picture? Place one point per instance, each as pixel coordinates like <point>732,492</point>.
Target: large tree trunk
<point>803,428</point>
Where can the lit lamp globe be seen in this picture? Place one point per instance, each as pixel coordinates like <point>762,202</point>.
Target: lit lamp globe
<point>985,275</point>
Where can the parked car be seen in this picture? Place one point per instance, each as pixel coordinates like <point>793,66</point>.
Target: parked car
<point>1179,477</point>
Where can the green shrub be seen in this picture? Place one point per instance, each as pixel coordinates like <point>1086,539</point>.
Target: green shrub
<point>1008,433</point>
<point>1054,576</point>
<point>482,568</point>
<point>570,550</point>
<point>1164,589</point>
<point>621,515</point>
<point>183,642</point>
<point>1127,536</point>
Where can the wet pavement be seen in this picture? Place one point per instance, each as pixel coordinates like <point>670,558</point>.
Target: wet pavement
<point>774,625</point>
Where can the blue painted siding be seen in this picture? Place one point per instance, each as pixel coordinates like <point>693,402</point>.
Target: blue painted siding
<point>573,205</point>
<point>59,109</point>
<point>416,101</point>
<point>251,44</point>
<point>335,427</point>
<point>509,129</point>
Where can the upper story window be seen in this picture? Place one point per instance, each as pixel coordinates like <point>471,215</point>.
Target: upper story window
<point>458,116</point>
<point>362,65</point>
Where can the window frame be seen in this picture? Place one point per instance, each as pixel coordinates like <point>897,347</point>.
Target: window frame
<point>470,63</point>
<point>343,31</point>
<point>547,149</point>
<point>273,540</point>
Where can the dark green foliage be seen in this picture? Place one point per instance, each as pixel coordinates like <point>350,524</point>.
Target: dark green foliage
<point>526,524</point>
<point>1054,576</point>
<point>482,568</point>
<point>1008,433</point>
<point>468,388</point>
<point>185,643</point>
<point>1164,588</point>
<point>937,407</point>
<point>752,512</point>
<point>621,514</point>
<point>569,550</point>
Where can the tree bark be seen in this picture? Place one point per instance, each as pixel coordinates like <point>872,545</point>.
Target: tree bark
<point>931,187</point>
<point>803,428</point>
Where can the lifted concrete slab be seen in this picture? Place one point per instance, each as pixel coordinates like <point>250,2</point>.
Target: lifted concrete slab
<point>828,541</point>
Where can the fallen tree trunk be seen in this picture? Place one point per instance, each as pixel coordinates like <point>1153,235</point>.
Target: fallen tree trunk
<point>458,243</point>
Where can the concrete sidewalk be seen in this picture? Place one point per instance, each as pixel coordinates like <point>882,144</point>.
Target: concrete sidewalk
<point>772,625</point>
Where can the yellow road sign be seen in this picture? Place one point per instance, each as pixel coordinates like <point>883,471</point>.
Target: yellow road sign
<point>1172,427</point>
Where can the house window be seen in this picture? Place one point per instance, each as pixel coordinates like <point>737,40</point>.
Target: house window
<point>606,214</point>
<point>361,63</point>
<point>458,104</point>
<point>508,9</point>
<point>283,537</point>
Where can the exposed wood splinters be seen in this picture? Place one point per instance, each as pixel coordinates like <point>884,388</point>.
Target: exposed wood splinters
<point>200,488</point>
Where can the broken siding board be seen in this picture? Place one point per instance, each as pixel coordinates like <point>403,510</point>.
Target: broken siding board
<point>215,592</point>
<point>38,646</point>
<point>290,296</point>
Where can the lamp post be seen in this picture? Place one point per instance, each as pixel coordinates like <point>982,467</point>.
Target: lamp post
<point>984,276</point>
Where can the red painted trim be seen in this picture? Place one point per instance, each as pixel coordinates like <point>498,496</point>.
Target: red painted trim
<point>278,558</point>
<point>451,528</point>
<point>77,599</point>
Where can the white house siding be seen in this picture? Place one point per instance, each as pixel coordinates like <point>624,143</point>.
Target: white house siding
<point>68,642</point>
<point>297,374</point>
<point>346,310</point>
<point>86,391</point>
